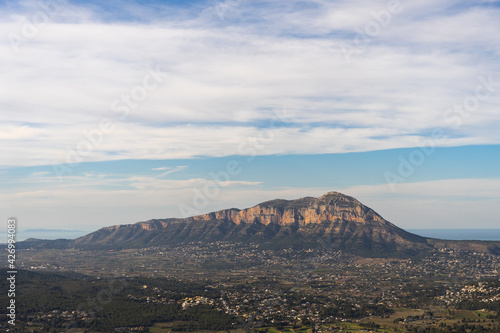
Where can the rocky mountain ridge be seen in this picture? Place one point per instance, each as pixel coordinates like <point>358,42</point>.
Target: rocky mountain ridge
<point>332,206</point>
<point>334,218</point>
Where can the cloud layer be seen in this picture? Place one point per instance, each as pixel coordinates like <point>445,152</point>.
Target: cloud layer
<point>312,77</point>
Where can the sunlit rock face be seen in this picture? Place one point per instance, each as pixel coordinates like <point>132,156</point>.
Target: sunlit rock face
<point>332,206</point>
<point>337,218</point>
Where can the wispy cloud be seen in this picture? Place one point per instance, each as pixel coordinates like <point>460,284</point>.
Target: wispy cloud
<point>39,174</point>
<point>238,69</point>
<point>161,169</point>
<point>169,170</point>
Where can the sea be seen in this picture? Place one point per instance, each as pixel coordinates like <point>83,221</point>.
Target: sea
<point>459,234</point>
<point>48,234</point>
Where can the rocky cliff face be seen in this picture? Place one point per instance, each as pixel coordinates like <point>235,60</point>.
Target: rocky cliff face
<point>332,207</point>
<point>335,218</point>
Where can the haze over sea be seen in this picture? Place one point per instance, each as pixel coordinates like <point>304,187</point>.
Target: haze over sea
<point>459,234</point>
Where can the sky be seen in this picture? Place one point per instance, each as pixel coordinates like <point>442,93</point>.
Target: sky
<point>114,112</point>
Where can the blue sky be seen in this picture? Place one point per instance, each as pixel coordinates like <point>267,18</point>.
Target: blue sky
<point>119,111</point>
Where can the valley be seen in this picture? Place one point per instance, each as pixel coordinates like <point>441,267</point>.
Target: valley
<point>317,289</point>
<point>310,265</point>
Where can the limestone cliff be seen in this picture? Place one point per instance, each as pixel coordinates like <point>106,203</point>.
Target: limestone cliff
<point>335,218</point>
<point>332,206</point>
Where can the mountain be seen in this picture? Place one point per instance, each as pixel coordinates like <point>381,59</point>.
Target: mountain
<point>337,220</point>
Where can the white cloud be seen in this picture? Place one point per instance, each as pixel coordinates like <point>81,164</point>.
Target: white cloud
<point>40,173</point>
<point>186,141</point>
<point>161,169</point>
<point>235,70</point>
<point>169,170</point>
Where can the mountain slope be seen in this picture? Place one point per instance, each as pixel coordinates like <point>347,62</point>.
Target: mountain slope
<point>335,219</point>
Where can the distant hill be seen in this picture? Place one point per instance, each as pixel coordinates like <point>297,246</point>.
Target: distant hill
<point>334,220</point>
<point>51,230</point>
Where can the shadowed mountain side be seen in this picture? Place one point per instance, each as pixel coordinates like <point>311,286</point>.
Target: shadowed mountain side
<point>334,220</point>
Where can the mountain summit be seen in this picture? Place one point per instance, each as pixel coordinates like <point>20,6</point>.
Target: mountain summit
<point>334,218</point>
<point>332,206</point>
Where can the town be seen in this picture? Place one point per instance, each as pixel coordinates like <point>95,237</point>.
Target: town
<point>258,288</point>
